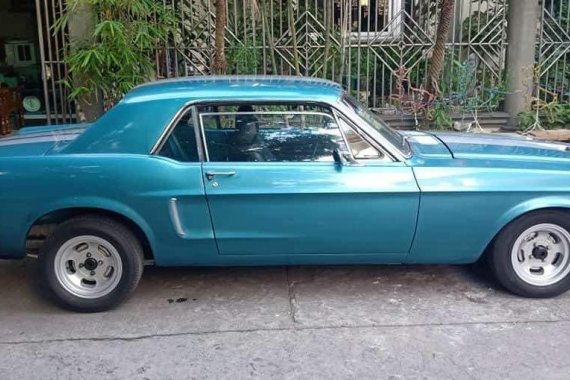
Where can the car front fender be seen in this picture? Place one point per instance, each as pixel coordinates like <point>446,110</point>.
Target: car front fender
<point>530,205</point>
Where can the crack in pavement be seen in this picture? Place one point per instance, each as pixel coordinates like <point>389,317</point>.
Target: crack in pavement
<point>278,329</point>
<point>293,308</point>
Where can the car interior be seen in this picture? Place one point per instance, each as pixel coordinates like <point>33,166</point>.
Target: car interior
<point>265,133</point>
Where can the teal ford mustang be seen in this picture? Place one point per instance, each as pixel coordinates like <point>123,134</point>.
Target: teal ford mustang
<point>214,171</point>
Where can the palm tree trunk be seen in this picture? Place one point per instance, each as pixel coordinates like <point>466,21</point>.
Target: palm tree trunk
<point>438,57</point>
<point>220,64</point>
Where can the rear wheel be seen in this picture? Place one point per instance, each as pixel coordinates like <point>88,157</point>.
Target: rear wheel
<point>531,256</point>
<point>91,263</point>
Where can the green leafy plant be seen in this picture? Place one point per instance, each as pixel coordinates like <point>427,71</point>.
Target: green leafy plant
<point>245,54</point>
<point>119,53</point>
<point>243,59</point>
<point>440,116</point>
<point>551,116</point>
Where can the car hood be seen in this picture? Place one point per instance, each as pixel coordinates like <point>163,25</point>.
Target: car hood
<point>32,141</point>
<point>478,145</point>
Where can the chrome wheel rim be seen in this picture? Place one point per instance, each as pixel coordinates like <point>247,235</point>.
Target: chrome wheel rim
<point>88,266</point>
<point>540,255</point>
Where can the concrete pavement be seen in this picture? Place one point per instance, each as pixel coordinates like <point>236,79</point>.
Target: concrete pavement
<point>387,322</point>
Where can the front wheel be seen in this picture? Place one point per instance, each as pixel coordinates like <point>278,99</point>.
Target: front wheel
<point>91,263</point>
<point>531,256</point>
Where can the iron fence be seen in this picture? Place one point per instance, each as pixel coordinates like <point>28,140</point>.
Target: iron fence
<point>377,49</point>
<point>362,44</point>
<point>553,51</point>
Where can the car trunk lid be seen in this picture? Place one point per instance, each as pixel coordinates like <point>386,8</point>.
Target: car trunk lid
<point>33,141</point>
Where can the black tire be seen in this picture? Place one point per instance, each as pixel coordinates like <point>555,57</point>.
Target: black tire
<point>120,237</point>
<point>500,255</point>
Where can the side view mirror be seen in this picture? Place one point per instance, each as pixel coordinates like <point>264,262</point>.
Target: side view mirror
<point>344,158</point>
<point>338,157</point>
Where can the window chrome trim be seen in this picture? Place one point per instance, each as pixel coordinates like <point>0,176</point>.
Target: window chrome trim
<point>336,119</point>
<point>197,129</point>
<point>169,127</point>
<point>362,125</point>
<point>228,113</point>
<point>203,138</point>
<point>338,106</point>
<point>194,103</point>
<point>231,113</point>
<point>165,135</point>
<point>370,141</point>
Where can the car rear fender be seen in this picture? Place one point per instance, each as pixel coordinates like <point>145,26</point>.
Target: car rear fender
<point>95,204</point>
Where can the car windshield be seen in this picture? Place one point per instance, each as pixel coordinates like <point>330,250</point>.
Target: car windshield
<point>393,137</point>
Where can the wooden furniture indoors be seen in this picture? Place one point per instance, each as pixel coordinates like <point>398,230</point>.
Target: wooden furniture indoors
<point>10,105</point>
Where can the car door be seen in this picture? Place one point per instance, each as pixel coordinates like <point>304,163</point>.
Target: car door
<point>274,188</point>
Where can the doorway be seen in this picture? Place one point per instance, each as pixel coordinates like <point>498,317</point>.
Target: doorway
<point>31,63</point>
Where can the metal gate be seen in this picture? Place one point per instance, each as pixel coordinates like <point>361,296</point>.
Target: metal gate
<point>57,105</point>
<point>364,44</point>
<point>553,51</point>
<point>360,43</point>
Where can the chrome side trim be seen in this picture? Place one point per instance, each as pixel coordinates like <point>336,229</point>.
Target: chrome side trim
<point>175,217</point>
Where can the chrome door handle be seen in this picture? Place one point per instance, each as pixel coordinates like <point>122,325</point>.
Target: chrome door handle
<point>211,174</point>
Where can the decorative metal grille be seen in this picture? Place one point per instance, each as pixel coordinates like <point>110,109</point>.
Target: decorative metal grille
<point>360,43</point>
<point>553,51</point>
<point>364,44</point>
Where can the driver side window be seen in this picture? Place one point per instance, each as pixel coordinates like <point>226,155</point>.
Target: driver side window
<point>271,133</point>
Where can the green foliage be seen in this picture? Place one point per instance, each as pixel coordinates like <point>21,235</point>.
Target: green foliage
<point>118,55</point>
<point>246,56</point>
<point>361,64</point>
<point>243,59</point>
<point>459,82</point>
<point>552,116</point>
<point>440,116</point>
<point>526,119</point>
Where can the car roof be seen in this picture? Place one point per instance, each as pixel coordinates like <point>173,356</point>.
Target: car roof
<point>137,121</point>
<point>237,87</point>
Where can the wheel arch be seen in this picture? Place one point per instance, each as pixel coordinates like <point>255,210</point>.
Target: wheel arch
<point>44,223</point>
<point>523,209</point>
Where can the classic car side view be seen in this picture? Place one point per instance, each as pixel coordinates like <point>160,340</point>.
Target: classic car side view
<point>220,171</point>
